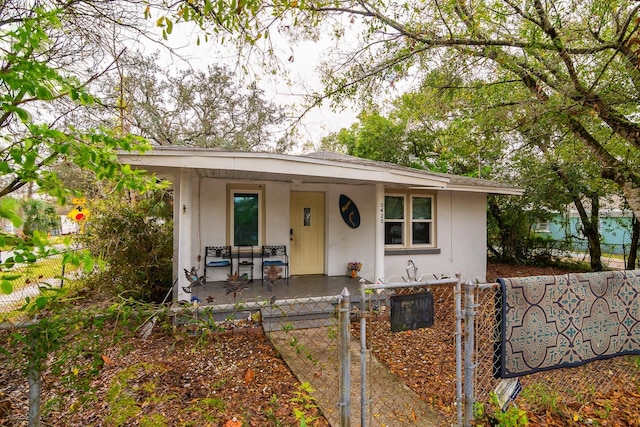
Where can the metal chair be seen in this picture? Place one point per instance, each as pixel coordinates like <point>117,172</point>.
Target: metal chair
<point>275,255</point>
<point>217,257</point>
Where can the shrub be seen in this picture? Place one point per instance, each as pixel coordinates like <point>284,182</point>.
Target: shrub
<point>134,242</point>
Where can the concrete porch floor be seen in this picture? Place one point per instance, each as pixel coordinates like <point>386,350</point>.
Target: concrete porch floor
<point>214,293</point>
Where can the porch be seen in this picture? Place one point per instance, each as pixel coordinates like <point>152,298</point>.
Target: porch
<point>297,288</point>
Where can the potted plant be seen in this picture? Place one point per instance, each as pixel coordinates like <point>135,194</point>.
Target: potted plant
<point>354,267</point>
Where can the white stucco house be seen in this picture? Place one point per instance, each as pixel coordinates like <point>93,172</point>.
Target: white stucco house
<point>327,209</point>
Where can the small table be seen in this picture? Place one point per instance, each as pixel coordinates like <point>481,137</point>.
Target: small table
<point>244,256</point>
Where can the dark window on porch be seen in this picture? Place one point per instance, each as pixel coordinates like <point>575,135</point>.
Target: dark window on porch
<point>245,219</point>
<point>394,220</point>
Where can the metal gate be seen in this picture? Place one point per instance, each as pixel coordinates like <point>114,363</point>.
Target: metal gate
<point>389,306</point>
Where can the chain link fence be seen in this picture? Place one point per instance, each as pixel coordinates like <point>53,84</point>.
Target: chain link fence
<point>424,359</point>
<point>304,331</point>
<point>27,280</point>
<point>409,375</point>
<point>412,376</point>
<point>568,389</point>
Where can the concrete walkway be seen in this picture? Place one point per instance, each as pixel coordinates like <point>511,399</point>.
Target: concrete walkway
<point>313,358</point>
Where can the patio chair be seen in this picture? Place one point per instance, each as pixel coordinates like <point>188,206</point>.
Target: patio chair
<point>275,255</point>
<point>217,257</point>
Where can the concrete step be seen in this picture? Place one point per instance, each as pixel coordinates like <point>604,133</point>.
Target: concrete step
<point>298,316</point>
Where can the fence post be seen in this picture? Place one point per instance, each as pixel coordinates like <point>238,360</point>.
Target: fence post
<point>345,359</point>
<point>458,337</point>
<point>469,346</point>
<point>33,373</point>
<point>62,274</point>
<point>364,401</point>
<point>35,382</point>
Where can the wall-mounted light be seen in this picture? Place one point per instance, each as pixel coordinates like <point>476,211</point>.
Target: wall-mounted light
<point>184,208</point>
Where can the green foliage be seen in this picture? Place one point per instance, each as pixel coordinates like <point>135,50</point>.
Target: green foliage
<point>31,148</point>
<point>69,342</point>
<point>9,209</point>
<point>209,408</point>
<point>304,404</point>
<point>135,243</point>
<point>556,81</point>
<point>43,271</point>
<point>494,416</point>
<point>39,216</point>
<point>509,233</point>
<point>541,395</point>
<point>127,396</point>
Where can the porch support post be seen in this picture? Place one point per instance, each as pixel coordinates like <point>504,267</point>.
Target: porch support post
<point>183,213</point>
<point>379,239</point>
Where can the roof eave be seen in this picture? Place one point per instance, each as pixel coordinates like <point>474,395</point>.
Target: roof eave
<point>266,163</point>
<point>166,161</point>
<point>498,190</point>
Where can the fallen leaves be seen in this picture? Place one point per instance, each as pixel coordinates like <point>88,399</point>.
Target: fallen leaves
<point>234,422</point>
<point>204,380</point>
<point>249,375</point>
<point>210,380</point>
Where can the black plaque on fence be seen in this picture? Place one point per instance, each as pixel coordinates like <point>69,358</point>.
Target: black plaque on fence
<point>409,312</point>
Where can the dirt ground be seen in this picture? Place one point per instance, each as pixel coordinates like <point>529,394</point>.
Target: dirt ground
<point>237,379</point>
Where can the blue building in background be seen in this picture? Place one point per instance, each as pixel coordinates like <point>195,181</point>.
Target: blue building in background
<point>615,230</point>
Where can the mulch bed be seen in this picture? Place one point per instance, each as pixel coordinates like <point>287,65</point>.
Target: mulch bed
<point>237,379</point>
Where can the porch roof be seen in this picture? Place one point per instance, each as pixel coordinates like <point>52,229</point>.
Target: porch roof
<point>320,167</point>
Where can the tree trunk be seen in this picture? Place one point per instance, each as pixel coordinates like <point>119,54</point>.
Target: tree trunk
<point>633,249</point>
<point>592,233</point>
<point>591,230</point>
<point>632,196</point>
<point>494,211</point>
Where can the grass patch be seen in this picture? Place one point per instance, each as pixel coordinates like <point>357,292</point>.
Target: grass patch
<point>541,396</point>
<point>127,396</point>
<point>208,408</point>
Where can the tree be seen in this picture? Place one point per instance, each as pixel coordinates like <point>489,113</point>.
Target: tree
<point>445,128</point>
<point>633,248</point>
<point>192,107</point>
<point>29,144</point>
<point>39,216</point>
<point>376,137</point>
<point>34,76</point>
<point>573,64</point>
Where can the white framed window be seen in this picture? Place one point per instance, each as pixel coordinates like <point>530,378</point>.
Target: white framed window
<point>542,227</point>
<point>408,220</point>
<point>421,221</point>
<point>245,216</point>
<point>394,225</point>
